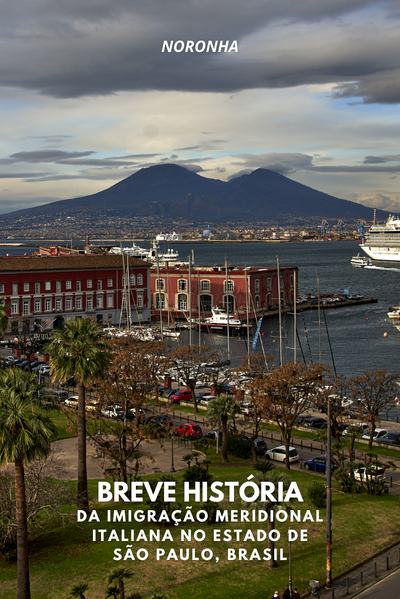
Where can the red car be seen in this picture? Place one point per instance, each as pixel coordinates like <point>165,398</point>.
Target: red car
<point>185,395</point>
<point>193,431</point>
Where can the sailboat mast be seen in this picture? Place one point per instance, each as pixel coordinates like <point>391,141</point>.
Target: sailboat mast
<point>199,303</point>
<point>247,319</point>
<point>159,292</point>
<point>319,323</point>
<point>227,309</point>
<point>279,312</point>
<point>294,318</point>
<point>190,300</point>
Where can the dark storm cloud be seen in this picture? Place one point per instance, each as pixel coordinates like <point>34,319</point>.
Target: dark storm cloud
<point>74,48</point>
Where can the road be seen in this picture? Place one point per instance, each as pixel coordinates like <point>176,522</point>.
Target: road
<point>388,588</point>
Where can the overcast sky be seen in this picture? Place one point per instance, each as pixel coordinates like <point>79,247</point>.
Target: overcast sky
<point>88,98</point>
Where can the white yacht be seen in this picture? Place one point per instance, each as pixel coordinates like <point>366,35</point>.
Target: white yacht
<point>360,261</point>
<point>170,257</point>
<point>218,323</point>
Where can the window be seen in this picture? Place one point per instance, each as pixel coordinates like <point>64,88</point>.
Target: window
<point>1,287</point>
<point>38,305</point>
<point>68,303</point>
<point>89,303</point>
<point>68,284</point>
<point>182,285</point>
<point>15,288</point>
<point>14,307</point>
<point>282,282</point>
<point>158,297</point>
<point>37,287</point>
<point>205,285</point>
<point>99,284</point>
<point>257,298</point>
<point>160,284</point>
<point>89,283</point>
<point>269,299</point>
<point>291,280</point>
<point>110,300</point>
<point>58,304</point>
<point>78,303</point>
<point>26,307</point>
<point>269,284</point>
<point>26,287</point>
<point>205,303</point>
<point>47,304</point>
<point>132,280</point>
<point>139,300</point>
<point>182,301</point>
<point>47,286</point>
<point>257,285</point>
<point>110,282</point>
<point>99,301</point>
<point>58,286</point>
<point>228,286</point>
<point>140,279</point>
<point>78,285</point>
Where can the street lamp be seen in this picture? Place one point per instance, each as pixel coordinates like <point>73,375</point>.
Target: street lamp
<point>314,588</point>
<point>329,498</point>
<point>172,454</point>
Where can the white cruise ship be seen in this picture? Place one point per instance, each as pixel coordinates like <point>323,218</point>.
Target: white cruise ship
<point>382,242</point>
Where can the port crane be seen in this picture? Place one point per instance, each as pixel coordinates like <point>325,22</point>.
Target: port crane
<point>341,228</point>
<point>325,229</point>
<point>362,228</point>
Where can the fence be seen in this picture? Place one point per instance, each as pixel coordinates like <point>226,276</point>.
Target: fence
<point>365,573</point>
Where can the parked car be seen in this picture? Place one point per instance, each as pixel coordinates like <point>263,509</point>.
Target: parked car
<point>362,425</point>
<point>60,395</point>
<point>260,445</point>
<point>71,402</point>
<point>69,382</point>
<point>213,435</point>
<point>391,437</point>
<point>193,431</point>
<point>185,395</point>
<point>44,369</point>
<point>279,454</point>
<point>314,422</point>
<point>163,390</point>
<point>371,472</point>
<point>205,399</point>
<point>318,464</point>
<point>170,392</point>
<point>378,434</point>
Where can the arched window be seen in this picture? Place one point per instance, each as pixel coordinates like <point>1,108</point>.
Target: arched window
<point>257,301</point>
<point>132,280</point>
<point>205,303</point>
<point>158,297</point>
<point>140,279</point>
<point>231,302</point>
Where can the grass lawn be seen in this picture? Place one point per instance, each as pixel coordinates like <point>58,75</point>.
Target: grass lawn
<point>361,526</point>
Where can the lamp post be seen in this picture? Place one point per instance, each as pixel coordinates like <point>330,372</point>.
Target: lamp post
<point>172,454</point>
<point>329,499</point>
<point>290,569</point>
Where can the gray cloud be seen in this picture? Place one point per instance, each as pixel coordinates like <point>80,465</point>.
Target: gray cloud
<point>75,49</point>
<point>43,156</point>
<point>381,159</point>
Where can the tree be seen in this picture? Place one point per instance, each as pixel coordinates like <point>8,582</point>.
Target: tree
<point>3,319</point>
<point>188,361</point>
<point>374,392</point>
<point>221,409</point>
<point>286,392</point>
<point>25,434</point>
<point>118,575</point>
<point>81,351</point>
<point>78,590</point>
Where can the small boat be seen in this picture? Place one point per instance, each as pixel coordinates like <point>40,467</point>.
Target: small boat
<point>218,323</point>
<point>360,261</point>
<point>394,312</point>
<point>168,332</point>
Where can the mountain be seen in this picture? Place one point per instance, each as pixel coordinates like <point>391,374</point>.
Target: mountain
<point>171,191</point>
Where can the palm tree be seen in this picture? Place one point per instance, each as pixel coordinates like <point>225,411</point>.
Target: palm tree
<point>81,351</point>
<point>221,409</point>
<point>79,589</point>
<point>118,575</point>
<point>3,319</point>
<point>25,434</point>
<point>112,591</point>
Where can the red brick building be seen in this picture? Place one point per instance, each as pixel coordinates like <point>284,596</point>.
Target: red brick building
<point>209,286</point>
<point>51,289</point>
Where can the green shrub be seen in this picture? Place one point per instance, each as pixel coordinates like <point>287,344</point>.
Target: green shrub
<point>317,494</point>
<point>239,446</point>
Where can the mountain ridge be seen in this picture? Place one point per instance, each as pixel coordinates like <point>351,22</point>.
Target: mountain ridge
<point>171,191</point>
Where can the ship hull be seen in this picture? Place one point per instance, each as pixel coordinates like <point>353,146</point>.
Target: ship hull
<point>383,254</point>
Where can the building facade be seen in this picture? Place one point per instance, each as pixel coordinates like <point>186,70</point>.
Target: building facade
<point>48,290</point>
<point>253,289</point>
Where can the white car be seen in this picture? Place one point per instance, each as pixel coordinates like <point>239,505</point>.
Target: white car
<point>379,432</point>
<point>370,473</point>
<point>279,454</point>
<point>361,425</point>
